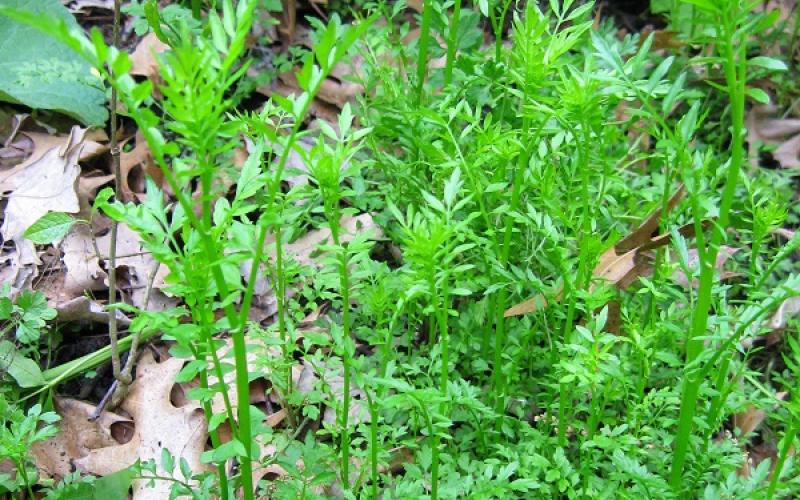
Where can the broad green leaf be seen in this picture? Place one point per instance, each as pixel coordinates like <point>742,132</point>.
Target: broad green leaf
<point>40,72</point>
<point>50,227</point>
<point>758,95</point>
<point>25,371</point>
<point>768,63</point>
<point>483,5</point>
<point>706,5</point>
<point>114,485</point>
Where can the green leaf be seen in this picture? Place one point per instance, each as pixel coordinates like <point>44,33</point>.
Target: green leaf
<point>483,5</point>
<point>40,72</point>
<point>758,95</point>
<point>50,227</point>
<point>768,63</point>
<point>25,371</point>
<point>114,485</point>
<point>233,448</point>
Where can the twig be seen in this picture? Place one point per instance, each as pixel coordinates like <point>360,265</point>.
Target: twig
<point>123,382</point>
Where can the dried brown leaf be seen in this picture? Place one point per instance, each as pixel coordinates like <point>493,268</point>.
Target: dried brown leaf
<point>77,437</point>
<point>44,185</point>
<point>644,233</point>
<point>143,59</point>
<point>725,253</point>
<point>159,425</point>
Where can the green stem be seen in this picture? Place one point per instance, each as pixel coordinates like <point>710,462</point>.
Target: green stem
<point>422,56</point>
<point>280,281</point>
<point>498,379</point>
<point>788,441</point>
<point>444,343</point>
<point>735,76</point>
<point>452,42</point>
<point>344,291</point>
<point>373,445</point>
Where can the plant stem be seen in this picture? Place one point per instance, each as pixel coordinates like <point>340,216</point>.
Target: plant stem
<point>498,378</point>
<point>344,290</point>
<point>788,442</point>
<point>280,281</point>
<point>422,56</point>
<point>452,42</point>
<point>735,75</point>
<point>112,250</point>
<point>444,345</point>
<point>373,445</point>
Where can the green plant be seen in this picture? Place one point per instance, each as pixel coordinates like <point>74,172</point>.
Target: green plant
<point>27,315</point>
<point>18,431</point>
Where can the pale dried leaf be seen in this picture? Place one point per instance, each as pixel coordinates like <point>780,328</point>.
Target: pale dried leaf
<point>143,59</point>
<point>48,184</point>
<point>135,165</point>
<point>78,435</point>
<point>136,269</point>
<point>83,267</point>
<point>159,424</point>
<point>644,233</point>
<point>305,248</point>
<point>725,253</point>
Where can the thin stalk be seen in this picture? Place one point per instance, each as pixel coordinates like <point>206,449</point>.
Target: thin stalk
<point>422,56</point>
<point>565,390</point>
<point>344,291</point>
<point>452,42</point>
<point>280,281</point>
<point>735,75</point>
<point>239,348</point>
<point>497,27</point>
<point>113,334</point>
<point>498,380</point>
<point>215,441</point>
<point>444,343</point>
<point>788,441</point>
<point>373,445</point>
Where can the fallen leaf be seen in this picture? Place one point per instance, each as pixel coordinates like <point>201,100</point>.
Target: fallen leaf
<point>748,420</point>
<point>305,249</point>
<point>77,437</point>
<point>143,59</point>
<point>135,166</point>
<point>644,233</point>
<point>83,271</point>
<point>136,270</point>
<point>255,352</point>
<point>159,425</point>
<point>763,128</point>
<point>48,184</point>
<point>725,253</point>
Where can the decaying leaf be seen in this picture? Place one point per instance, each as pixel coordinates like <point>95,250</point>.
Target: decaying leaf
<point>331,373</point>
<point>135,165</point>
<point>306,248</point>
<point>45,185</point>
<point>77,437</point>
<point>624,262</point>
<point>725,253</point>
<point>83,271</point>
<point>255,353</point>
<point>136,270</point>
<point>644,233</point>
<point>159,424</point>
<point>143,59</point>
<point>536,303</point>
<point>763,128</point>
